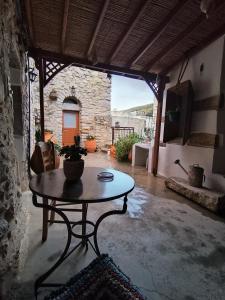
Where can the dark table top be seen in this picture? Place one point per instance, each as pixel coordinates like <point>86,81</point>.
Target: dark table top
<point>88,189</point>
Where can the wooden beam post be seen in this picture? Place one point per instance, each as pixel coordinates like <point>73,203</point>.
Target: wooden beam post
<point>28,7</point>
<point>64,24</point>
<point>97,28</point>
<point>162,26</point>
<point>155,150</point>
<point>41,91</point>
<point>84,63</point>
<point>174,42</point>
<point>210,39</point>
<point>131,26</point>
<point>181,37</point>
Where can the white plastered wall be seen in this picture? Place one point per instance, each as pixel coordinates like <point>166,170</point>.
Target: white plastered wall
<point>205,84</point>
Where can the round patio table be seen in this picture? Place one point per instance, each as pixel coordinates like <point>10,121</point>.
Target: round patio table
<point>89,189</point>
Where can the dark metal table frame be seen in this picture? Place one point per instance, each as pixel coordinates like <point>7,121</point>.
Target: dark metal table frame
<point>85,239</point>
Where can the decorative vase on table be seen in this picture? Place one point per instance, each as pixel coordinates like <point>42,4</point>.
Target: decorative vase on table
<point>90,143</point>
<point>73,165</point>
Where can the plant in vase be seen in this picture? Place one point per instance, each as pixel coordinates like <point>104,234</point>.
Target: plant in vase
<point>90,143</point>
<point>73,164</point>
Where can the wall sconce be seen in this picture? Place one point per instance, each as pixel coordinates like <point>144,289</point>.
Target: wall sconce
<point>73,90</point>
<point>32,75</point>
<point>53,95</point>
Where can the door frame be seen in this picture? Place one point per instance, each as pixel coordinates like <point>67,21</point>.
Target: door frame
<point>77,113</point>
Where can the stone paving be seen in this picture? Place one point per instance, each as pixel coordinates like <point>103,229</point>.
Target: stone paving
<point>170,247</point>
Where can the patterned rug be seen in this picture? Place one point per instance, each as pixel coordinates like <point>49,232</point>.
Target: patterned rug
<point>100,280</point>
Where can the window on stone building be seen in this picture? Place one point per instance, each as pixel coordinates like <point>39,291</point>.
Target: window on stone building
<point>71,103</point>
<point>71,100</point>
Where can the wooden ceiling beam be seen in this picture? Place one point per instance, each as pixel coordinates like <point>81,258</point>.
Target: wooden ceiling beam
<point>65,59</point>
<point>210,39</point>
<point>181,37</point>
<point>174,42</point>
<point>125,35</point>
<point>30,21</point>
<point>64,24</point>
<point>98,26</point>
<point>152,39</point>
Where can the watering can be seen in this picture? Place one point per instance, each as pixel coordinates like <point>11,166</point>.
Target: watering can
<point>195,174</point>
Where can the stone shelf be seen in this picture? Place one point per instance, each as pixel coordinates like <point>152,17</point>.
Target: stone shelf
<point>205,197</point>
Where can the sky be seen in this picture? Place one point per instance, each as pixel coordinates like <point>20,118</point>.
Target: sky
<point>127,92</point>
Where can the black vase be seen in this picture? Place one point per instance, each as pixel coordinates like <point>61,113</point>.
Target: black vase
<point>73,170</point>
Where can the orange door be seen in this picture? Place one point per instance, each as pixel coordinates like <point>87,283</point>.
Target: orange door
<point>70,127</point>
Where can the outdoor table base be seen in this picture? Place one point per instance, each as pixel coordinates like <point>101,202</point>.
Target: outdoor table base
<point>85,239</point>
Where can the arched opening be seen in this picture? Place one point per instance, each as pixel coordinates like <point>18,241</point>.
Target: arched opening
<point>70,120</point>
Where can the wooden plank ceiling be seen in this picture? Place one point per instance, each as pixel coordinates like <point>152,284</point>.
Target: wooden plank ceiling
<point>143,35</point>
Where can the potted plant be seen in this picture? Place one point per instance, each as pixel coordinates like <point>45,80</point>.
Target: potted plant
<point>73,164</point>
<point>90,143</point>
<point>124,146</point>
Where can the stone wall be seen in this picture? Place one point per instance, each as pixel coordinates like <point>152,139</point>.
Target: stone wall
<point>92,89</point>
<point>206,83</point>
<point>139,123</point>
<point>11,172</point>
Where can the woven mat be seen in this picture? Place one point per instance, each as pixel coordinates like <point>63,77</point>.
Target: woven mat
<point>102,279</point>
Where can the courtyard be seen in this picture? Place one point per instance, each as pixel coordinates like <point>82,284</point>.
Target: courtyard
<point>58,63</point>
<point>170,247</point>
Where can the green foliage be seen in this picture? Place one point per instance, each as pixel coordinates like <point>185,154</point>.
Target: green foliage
<point>124,145</point>
<point>90,137</point>
<point>73,152</point>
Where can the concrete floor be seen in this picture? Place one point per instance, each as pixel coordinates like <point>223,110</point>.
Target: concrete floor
<point>170,247</point>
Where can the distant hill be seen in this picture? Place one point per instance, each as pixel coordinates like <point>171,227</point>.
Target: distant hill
<point>146,110</point>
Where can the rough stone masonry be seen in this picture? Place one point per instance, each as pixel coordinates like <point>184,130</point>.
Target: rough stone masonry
<point>11,217</point>
<point>93,91</point>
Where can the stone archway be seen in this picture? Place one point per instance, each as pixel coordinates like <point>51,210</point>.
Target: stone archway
<point>71,108</point>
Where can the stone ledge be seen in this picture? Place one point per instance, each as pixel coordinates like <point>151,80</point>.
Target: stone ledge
<point>207,198</point>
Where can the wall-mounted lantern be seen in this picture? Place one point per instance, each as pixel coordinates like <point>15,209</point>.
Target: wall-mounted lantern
<point>32,74</point>
<point>73,90</point>
<point>53,95</point>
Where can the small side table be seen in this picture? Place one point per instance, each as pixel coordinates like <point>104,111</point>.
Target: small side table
<point>88,190</point>
<point>140,154</point>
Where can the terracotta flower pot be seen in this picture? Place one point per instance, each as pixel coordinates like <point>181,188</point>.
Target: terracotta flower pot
<point>113,151</point>
<point>130,155</point>
<point>73,170</point>
<point>90,145</point>
<point>50,136</point>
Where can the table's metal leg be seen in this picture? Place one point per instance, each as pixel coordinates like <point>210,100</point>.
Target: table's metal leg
<point>84,239</point>
<point>113,212</point>
<point>39,281</point>
<point>84,218</point>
